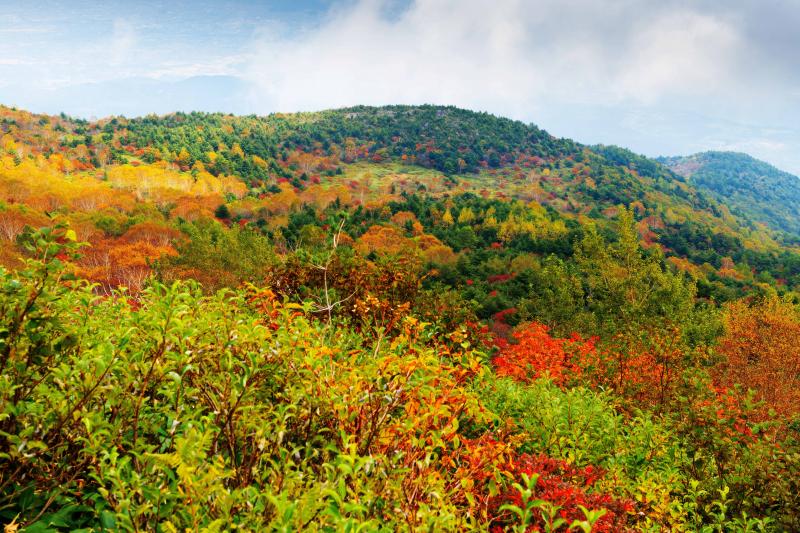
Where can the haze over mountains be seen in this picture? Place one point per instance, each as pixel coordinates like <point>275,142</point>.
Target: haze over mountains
<point>659,77</point>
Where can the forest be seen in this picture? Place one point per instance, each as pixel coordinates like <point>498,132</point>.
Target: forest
<point>751,187</point>
<point>400,318</point>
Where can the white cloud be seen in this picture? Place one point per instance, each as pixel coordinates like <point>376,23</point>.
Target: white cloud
<point>229,65</point>
<point>506,56</point>
<point>13,61</point>
<point>683,53</point>
<point>427,54</point>
<point>123,42</point>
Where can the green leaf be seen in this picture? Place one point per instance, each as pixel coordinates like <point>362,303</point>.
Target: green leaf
<point>108,520</point>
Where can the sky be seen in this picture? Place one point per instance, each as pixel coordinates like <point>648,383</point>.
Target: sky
<point>661,77</point>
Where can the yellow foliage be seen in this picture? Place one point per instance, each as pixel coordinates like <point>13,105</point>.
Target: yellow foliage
<point>159,184</point>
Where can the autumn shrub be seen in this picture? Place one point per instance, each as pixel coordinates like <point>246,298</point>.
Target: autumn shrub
<point>761,350</point>
<point>641,458</point>
<point>732,451</point>
<point>249,408</point>
<point>219,257</point>
<point>567,491</point>
<point>533,353</point>
<point>374,294</point>
<point>647,366</point>
<point>229,410</point>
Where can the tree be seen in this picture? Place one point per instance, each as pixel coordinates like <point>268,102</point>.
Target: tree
<point>447,218</point>
<point>466,216</point>
<point>628,287</point>
<point>222,212</point>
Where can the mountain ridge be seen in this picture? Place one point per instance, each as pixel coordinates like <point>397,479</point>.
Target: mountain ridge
<point>368,157</point>
<point>751,187</point>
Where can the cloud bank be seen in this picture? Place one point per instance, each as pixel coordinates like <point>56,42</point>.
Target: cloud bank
<point>509,55</point>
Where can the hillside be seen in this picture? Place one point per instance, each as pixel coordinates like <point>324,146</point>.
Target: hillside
<point>397,318</point>
<point>752,188</point>
<point>264,167</point>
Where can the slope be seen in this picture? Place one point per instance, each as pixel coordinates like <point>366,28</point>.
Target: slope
<point>751,188</point>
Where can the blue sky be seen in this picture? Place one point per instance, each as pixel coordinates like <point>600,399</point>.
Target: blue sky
<point>662,77</point>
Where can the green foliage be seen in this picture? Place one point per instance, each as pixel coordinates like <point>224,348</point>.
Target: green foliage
<point>627,287</point>
<point>181,410</point>
<point>584,428</point>
<point>221,257</point>
<point>752,188</point>
<point>330,364</point>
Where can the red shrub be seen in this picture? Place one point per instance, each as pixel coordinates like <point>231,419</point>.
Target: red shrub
<point>501,316</point>
<point>536,353</point>
<point>499,278</point>
<point>565,486</point>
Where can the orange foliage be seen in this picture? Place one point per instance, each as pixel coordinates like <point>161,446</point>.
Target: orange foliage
<point>728,269</point>
<point>284,202</point>
<point>308,163</point>
<point>14,219</point>
<point>536,354</point>
<point>384,239</point>
<point>196,208</point>
<point>761,347</point>
<point>401,217</point>
<point>684,265</point>
<point>111,263</point>
<point>645,367</point>
<point>156,234</point>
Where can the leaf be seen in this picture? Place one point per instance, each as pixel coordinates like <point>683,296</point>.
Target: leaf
<point>108,520</point>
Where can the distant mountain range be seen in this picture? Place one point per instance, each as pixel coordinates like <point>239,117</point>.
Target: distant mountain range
<point>749,187</point>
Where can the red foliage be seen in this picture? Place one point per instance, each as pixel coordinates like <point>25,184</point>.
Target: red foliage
<point>566,486</point>
<point>501,316</point>
<point>730,411</point>
<point>535,353</point>
<point>727,414</point>
<point>499,278</point>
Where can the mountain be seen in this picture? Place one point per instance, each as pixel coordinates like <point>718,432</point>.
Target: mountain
<point>264,169</point>
<point>395,318</point>
<point>751,188</point>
